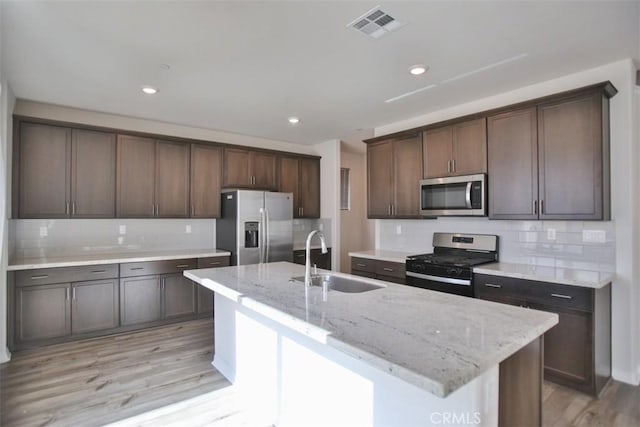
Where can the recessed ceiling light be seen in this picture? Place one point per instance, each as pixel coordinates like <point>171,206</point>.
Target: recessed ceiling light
<point>149,90</point>
<point>294,120</point>
<point>418,69</point>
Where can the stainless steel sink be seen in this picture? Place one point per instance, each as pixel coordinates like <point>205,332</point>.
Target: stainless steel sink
<point>340,284</point>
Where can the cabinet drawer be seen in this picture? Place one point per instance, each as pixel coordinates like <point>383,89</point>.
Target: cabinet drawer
<point>392,279</point>
<point>45,276</point>
<point>566,296</point>
<point>367,274</point>
<point>299,256</point>
<point>363,264</point>
<point>156,267</point>
<point>492,287</point>
<point>391,269</point>
<point>213,262</point>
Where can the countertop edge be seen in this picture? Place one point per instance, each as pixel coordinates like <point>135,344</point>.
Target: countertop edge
<point>117,259</point>
<point>400,258</point>
<point>595,284</point>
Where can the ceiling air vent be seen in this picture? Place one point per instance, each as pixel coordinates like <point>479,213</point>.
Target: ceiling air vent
<point>375,23</point>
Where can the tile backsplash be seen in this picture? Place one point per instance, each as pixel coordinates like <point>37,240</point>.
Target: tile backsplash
<point>67,237</point>
<point>588,245</point>
<point>302,228</point>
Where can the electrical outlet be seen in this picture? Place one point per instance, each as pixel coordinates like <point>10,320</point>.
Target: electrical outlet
<point>398,229</point>
<point>188,229</point>
<point>120,240</point>
<point>594,236</point>
<point>44,232</point>
<point>123,229</point>
<point>551,234</point>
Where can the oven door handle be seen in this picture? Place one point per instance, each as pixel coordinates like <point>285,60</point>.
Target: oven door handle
<point>467,198</point>
<point>439,279</point>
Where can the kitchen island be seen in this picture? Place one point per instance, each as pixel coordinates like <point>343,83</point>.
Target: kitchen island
<point>392,356</point>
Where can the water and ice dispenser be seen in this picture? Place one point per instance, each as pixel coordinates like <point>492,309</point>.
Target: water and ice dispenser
<point>251,234</point>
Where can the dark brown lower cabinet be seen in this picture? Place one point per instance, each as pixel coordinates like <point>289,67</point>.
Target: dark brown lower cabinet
<point>59,310</point>
<point>318,259</point>
<point>378,269</point>
<point>53,305</point>
<point>577,351</point>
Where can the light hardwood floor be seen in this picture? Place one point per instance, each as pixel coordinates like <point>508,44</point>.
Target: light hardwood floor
<point>163,376</point>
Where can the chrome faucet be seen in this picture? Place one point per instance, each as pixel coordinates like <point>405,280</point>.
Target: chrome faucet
<point>307,266</point>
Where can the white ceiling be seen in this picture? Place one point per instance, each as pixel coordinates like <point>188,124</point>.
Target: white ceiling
<point>246,66</point>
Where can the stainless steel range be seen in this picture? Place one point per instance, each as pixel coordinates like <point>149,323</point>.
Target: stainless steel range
<point>450,267</point>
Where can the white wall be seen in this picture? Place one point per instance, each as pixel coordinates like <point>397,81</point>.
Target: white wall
<point>356,231</point>
<point>625,197</point>
<point>330,192</point>
<point>6,107</point>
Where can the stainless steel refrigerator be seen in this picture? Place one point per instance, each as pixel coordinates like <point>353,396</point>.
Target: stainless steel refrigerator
<point>256,226</point>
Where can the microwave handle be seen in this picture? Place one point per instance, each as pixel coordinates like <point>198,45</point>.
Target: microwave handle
<point>468,195</point>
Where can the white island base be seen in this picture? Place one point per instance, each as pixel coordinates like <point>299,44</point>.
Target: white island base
<point>292,378</point>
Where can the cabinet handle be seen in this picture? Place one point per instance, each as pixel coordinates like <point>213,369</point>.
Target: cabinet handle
<point>193,211</point>
<point>43,276</point>
<point>301,211</point>
<point>137,268</point>
<point>449,166</point>
<point>73,297</point>
<point>73,208</point>
<point>66,208</point>
<point>535,207</point>
<point>153,209</point>
<point>215,263</point>
<point>67,292</point>
<point>361,265</point>
<point>453,165</point>
<point>389,209</point>
<point>393,209</point>
<point>491,285</point>
<point>542,207</point>
<point>98,271</point>
<point>388,269</point>
<point>562,296</point>
<point>300,255</point>
<point>182,265</point>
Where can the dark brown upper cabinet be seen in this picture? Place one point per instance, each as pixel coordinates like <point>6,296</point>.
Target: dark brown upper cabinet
<point>153,178</point>
<point>249,169</point>
<point>551,161</point>
<point>206,180</point>
<point>458,149</point>
<point>64,173</point>
<point>394,170</point>
<point>301,176</point>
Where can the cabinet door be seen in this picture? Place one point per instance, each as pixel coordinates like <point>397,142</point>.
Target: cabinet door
<point>172,179</point>
<point>470,147</point>
<point>43,312</point>
<point>309,172</point>
<point>94,306</point>
<point>93,174</point>
<point>263,167</point>
<point>568,348</point>
<point>140,300</point>
<point>135,177</point>
<point>205,300</point>
<point>437,152</point>
<point>570,148</point>
<point>206,181</point>
<point>379,179</point>
<point>179,296</point>
<point>236,168</point>
<point>289,182</point>
<point>513,165</point>
<point>407,165</point>
<point>44,171</point>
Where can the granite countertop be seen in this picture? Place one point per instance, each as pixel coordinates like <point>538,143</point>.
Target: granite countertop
<point>382,255</point>
<point>436,341</point>
<point>24,263</point>
<point>563,276</point>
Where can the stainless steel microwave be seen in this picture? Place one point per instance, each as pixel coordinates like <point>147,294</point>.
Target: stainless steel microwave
<point>454,196</point>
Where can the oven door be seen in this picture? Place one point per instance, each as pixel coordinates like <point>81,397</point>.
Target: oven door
<point>453,196</point>
<point>449,285</point>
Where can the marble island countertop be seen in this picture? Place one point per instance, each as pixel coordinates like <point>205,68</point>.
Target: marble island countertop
<point>560,275</point>
<point>436,341</point>
<point>51,261</point>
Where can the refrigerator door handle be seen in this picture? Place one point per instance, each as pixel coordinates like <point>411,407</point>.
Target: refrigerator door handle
<point>267,240</point>
<point>261,232</point>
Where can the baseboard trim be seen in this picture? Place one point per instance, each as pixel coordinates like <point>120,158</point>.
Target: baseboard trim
<point>627,377</point>
<point>225,369</point>
<point>5,355</point>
